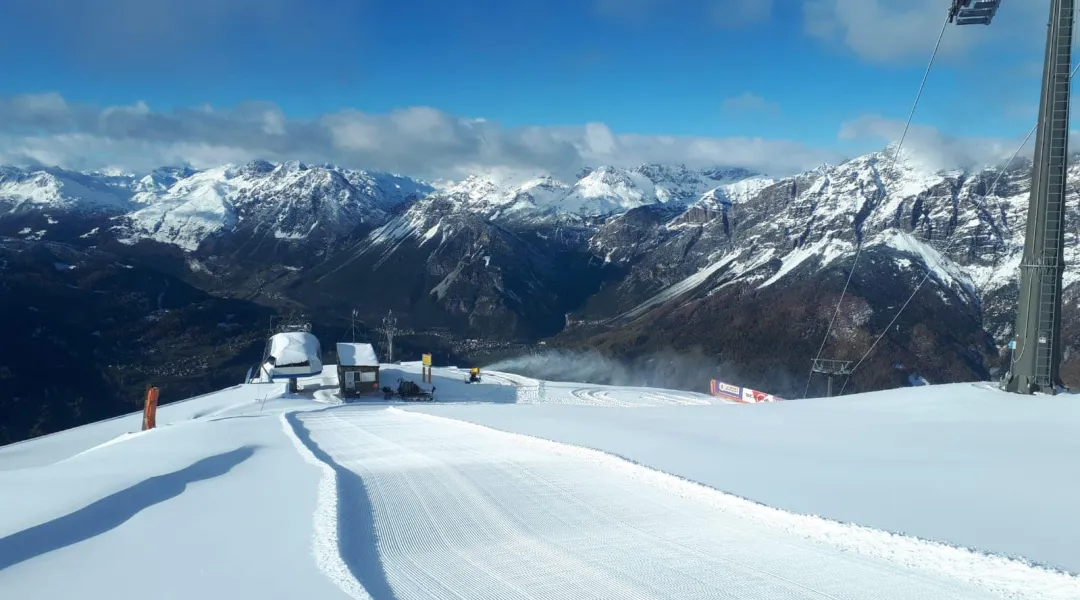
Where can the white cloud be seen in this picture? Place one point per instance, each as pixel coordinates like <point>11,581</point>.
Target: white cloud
<point>420,141</point>
<point>749,102</point>
<point>892,30</point>
<point>932,148</point>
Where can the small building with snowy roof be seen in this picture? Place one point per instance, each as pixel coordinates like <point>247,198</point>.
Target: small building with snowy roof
<point>358,369</point>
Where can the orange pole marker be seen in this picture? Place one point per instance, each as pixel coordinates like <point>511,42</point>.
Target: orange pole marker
<point>150,408</point>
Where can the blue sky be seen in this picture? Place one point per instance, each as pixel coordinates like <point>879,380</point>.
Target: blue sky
<point>791,72</point>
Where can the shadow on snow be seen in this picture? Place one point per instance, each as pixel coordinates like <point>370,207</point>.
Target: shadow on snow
<point>357,540</point>
<point>113,510</point>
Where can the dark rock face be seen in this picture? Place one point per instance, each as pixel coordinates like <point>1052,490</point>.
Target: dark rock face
<point>443,267</point>
<point>85,331</point>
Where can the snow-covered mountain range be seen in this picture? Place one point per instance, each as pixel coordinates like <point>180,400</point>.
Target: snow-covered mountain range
<point>616,250</point>
<point>184,207</point>
<point>599,192</point>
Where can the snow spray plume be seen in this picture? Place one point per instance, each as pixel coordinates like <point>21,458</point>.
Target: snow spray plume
<point>690,370</point>
<point>665,369</point>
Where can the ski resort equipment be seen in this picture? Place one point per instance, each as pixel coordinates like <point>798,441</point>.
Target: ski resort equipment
<point>389,329</point>
<point>357,369</point>
<point>292,354</point>
<point>410,391</point>
<point>979,12</point>
<point>474,375</point>
<point>832,368</point>
<point>1035,364</point>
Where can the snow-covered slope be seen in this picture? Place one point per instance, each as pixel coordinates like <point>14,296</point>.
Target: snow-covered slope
<point>57,189</point>
<point>188,211</point>
<point>965,228</point>
<point>950,222</point>
<point>250,492</point>
<point>880,459</point>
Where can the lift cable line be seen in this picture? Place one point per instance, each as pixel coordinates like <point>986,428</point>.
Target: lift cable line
<point>949,246</point>
<point>1041,321</point>
<point>953,12</point>
<point>1027,139</point>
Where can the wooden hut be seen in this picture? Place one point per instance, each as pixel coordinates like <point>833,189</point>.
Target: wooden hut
<point>357,369</point>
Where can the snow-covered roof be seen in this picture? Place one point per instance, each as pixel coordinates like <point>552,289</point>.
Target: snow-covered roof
<point>356,355</point>
<point>294,348</point>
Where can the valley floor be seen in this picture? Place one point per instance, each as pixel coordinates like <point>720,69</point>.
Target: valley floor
<point>254,493</point>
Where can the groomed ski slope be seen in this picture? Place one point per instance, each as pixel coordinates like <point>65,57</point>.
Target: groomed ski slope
<point>963,464</point>
<point>262,495</point>
<point>460,511</point>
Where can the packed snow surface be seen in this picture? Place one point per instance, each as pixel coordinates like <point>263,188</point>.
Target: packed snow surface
<point>493,492</point>
<point>958,463</point>
<point>203,508</point>
<point>453,510</point>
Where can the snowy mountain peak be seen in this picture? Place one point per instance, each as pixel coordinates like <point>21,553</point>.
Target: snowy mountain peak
<point>729,174</point>
<point>598,191</point>
<point>56,188</point>
<point>162,179</point>
<point>608,190</point>
<point>683,175</point>
<point>256,168</point>
<point>291,166</point>
<point>289,201</point>
<point>473,187</point>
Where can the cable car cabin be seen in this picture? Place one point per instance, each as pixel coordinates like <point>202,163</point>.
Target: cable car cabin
<point>358,370</point>
<point>292,354</point>
<point>981,12</point>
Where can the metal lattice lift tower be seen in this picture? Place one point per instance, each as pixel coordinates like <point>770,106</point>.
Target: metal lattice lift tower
<point>1036,359</point>
<point>832,368</point>
<point>389,329</point>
